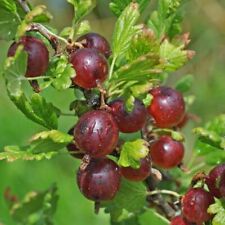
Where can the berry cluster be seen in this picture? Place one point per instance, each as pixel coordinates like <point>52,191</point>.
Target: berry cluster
<point>196,201</point>
<point>96,134</point>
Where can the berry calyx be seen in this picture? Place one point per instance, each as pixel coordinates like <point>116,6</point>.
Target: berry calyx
<point>73,149</point>
<point>213,180</point>
<point>96,41</point>
<point>195,204</point>
<point>166,152</point>
<point>96,133</point>
<point>100,180</point>
<point>129,122</point>
<point>167,107</point>
<point>91,67</point>
<point>38,55</point>
<point>179,220</point>
<point>139,174</point>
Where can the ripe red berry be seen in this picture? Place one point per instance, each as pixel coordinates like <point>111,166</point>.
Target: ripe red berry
<point>129,122</point>
<point>96,133</point>
<point>166,152</point>
<point>100,180</point>
<point>96,41</point>
<point>222,185</point>
<point>195,204</point>
<point>167,107</point>
<point>213,180</point>
<point>138,174</point>
<point>38,55</point>
<point>90,66</point>
<point>73,149</point>
<point>179,220</point>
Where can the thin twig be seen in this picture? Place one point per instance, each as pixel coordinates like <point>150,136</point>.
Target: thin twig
<point>24,5</point>
<point>165,192</point>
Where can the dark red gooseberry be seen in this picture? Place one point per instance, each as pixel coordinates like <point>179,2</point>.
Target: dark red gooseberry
<point>222,185</point>
<point>139,174</point>
<point>96,133</point>
<point>195,204</point>
<point>166,152</point>
<point>179,220</point>
<point>167,107</point>
<point>100,180</point>
<point>38,55</point>
<point>213,180</point>
<point>129,122</point>
<point>91,67</point>
<point>96,41</point>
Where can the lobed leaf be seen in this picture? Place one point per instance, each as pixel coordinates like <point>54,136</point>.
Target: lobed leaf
<point>218,208</point>
<point>43,145</point>
<point>125,29</point>
<point>82,8</point>
<point>132,152</point>
<point>36,207</point>
<point>60,72</point>
<point>117,6</point>
<point>131,197</point>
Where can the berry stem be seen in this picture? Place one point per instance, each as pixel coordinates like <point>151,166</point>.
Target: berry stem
<point>165,192</point>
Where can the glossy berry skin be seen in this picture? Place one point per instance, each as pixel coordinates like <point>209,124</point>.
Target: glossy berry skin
<point>222,185</point>
<point>100,180</point>
<point>195,204</point>
<point>96,41</point>
<point>129,122</point>
<point>179,220</point>
<point>166,152</point>
<point>90,66</point>
<point>96,133</point>
<point>213,179</point>
<point>167,107</point>
<point>73,149</point>
<point>38,55</point>
<point>138,174</point>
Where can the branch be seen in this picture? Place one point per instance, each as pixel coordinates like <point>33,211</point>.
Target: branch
<point>24,5</point>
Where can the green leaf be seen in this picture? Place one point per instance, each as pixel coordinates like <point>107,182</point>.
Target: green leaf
<point>132,152</point>
<point>83,28</point>
<point>11,16</point>
<point>117,6</point>
<point>176,135</point>
<point>172,57</point>
<point>125,29</point>
<point>166,21</point>
<point>218,208</point>
<point>60,71</point>
<point>143,43</point>
<point>14,71</point>
<point>211,141</point>
<point>185,83</point>
<point>43,145</point>
<point>131,197</point>
<point>13,153</point>
<point>82,8</point>
<point>142,71</point>
<point>36,207</point>
<point>38,14</point>
<point>37,109</point>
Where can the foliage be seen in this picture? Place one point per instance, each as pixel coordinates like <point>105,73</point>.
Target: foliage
<point>144,54</point>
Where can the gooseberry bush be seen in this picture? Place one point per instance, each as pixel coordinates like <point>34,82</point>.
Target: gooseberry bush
<point>126,122</point>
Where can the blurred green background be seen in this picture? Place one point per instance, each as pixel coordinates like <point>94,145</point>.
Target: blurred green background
<point>204,19</point>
